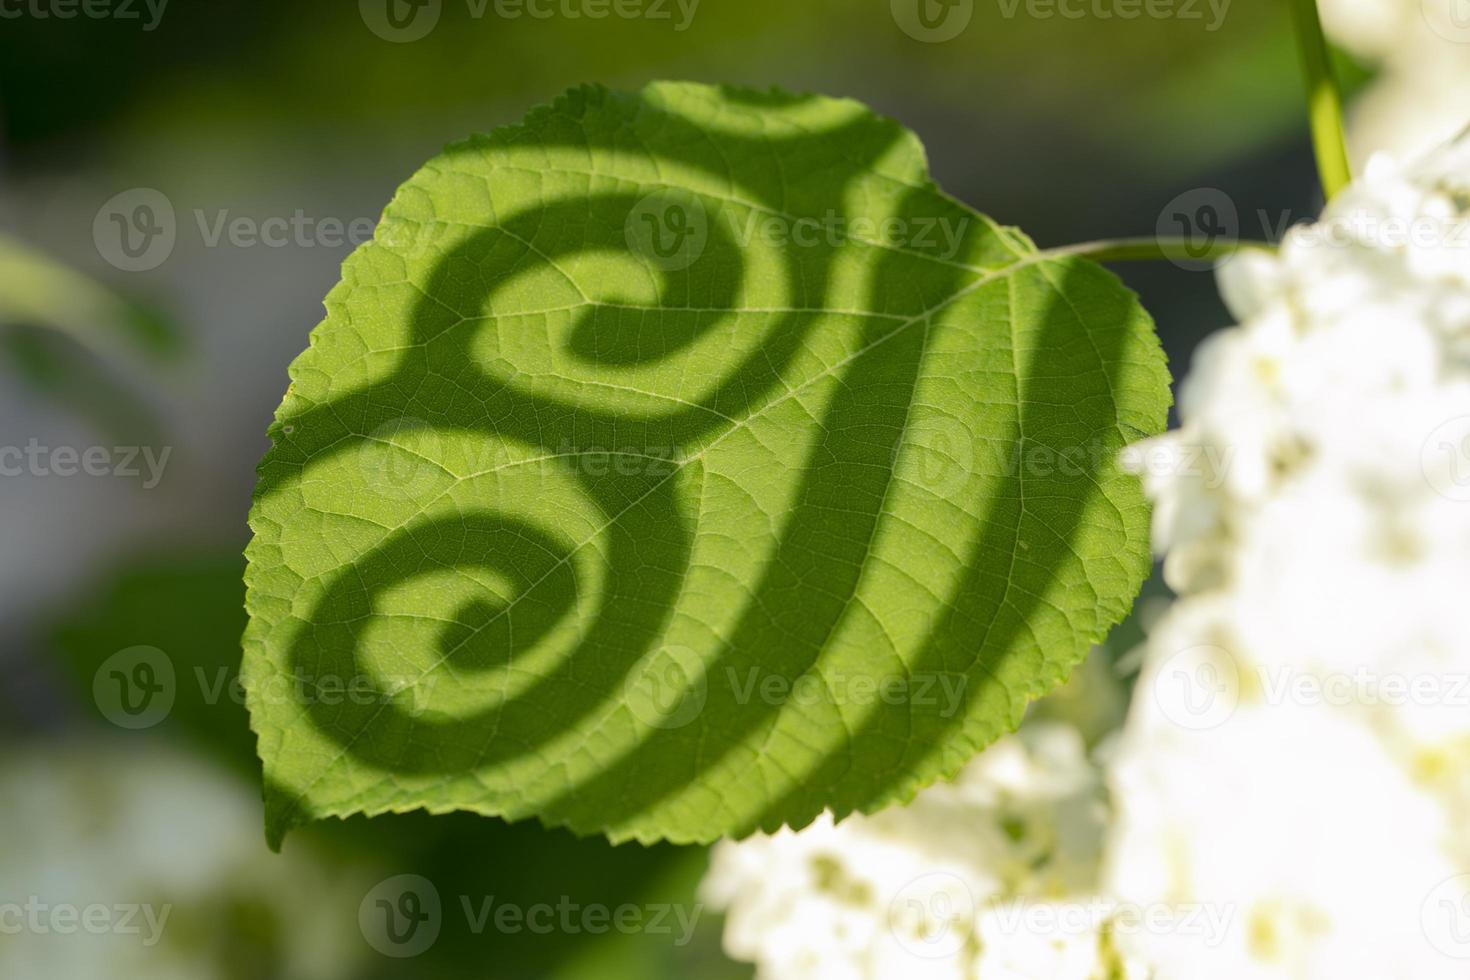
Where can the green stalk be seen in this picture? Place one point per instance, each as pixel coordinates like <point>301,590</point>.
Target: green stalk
<point>1152,249</point>
<point>1324,100</point>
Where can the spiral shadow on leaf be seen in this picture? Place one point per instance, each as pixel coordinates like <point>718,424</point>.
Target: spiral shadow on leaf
<point>726,429</point>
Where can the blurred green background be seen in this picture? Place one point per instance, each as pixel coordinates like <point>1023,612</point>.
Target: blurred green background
<point>1073,129</point>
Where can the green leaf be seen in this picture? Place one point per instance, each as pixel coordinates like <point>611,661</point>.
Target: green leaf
<point>679,464</point>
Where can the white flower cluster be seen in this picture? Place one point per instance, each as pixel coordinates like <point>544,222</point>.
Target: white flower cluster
<point>952,884</point>
<point>1296,744</point>
<point>1290,794</point>
<point>1421,51</point>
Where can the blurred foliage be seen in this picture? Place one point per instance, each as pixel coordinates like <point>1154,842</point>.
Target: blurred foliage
<point>191,606</point>
<point>1169,91</point>
<point>35,289</point>
<point>66,335</point>
<point>1074,128</point>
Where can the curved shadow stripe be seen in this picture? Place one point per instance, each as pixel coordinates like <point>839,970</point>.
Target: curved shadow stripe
<point>1037,526</point>
<point>439,382</point>
<point>390,729</point>
<point>811,580</point>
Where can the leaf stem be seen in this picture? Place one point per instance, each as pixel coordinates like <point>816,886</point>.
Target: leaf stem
<point>1324,100</point>
<point>1152,249</point>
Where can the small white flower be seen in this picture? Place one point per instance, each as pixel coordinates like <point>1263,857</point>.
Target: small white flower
<point>1294,754</point>
<point>904,892</point>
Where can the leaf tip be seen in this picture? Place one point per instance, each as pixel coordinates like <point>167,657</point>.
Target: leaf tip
<point>282,815</point>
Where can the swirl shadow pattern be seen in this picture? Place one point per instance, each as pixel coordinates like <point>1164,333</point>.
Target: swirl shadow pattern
<point>681,464</point>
